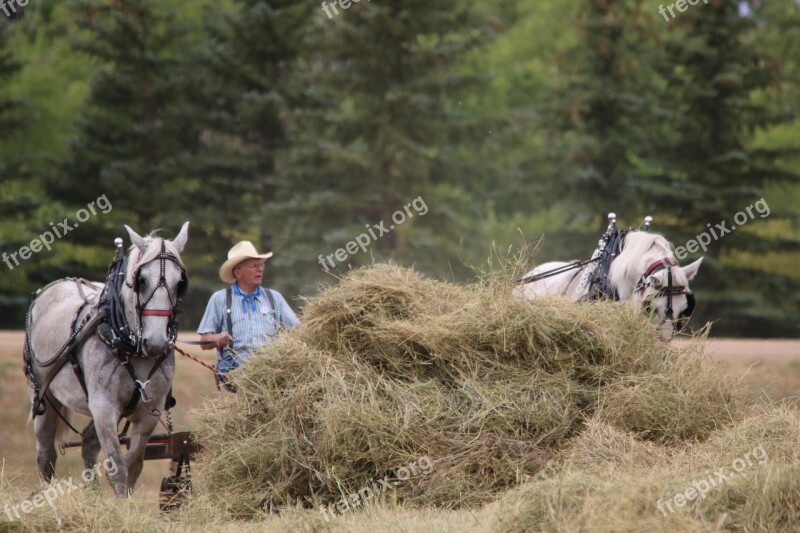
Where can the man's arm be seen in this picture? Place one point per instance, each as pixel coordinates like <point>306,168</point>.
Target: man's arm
<point>287,317</point>
<point>215,340</point>
<point>211,324</point>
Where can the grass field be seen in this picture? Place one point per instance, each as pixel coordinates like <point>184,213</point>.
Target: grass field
<point>769,365</point>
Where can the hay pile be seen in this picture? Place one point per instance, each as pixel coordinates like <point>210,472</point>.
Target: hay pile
<point>390,367</point>
<point>611,481</point>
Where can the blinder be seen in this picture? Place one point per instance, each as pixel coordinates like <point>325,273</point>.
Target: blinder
<point>183,284</point>
<point>684,317</point>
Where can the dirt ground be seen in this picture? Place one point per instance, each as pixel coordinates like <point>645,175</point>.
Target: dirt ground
<point>769,365</point>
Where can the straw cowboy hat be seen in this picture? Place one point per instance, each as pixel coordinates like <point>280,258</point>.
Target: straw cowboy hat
<point>241,251</point>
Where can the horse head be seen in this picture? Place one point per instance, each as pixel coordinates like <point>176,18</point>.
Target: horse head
<point>646,270</point>
<point>154,283</point>
<point>665,294</point>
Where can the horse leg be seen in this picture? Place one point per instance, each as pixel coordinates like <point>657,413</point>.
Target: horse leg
<point>45,426</point>
<point>90,446</point>
<point>105,424</point>
<point>141,434</point>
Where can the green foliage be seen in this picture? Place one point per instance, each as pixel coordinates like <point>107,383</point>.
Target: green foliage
<point>379,125</point>
<point>723,93</point>
<point>241,94</point>
<point>268,120</point>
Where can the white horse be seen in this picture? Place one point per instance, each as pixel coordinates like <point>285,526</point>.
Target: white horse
<point>645,271</point>
<point>131,380</point>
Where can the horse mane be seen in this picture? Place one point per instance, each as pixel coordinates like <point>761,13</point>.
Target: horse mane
<point>628,265</point>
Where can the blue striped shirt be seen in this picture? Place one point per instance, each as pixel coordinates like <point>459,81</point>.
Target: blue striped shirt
<point>251,329</point>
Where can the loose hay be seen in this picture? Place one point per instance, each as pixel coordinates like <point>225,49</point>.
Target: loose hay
<point>614,488</point>
<point>390,366</point>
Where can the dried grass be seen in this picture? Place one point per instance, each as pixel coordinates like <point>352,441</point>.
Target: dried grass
<point>389,366</point>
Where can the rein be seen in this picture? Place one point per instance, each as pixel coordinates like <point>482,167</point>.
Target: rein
<point>196,360</point>
<point>555,271</point>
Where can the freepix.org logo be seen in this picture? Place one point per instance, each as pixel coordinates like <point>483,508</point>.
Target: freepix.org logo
<point>421,467</point>
<point>702,240</point>
<point>56,231</point>
<point>58,488</point>
<point>363,240</point>
<point>9,7</point>
<point>712,480</point>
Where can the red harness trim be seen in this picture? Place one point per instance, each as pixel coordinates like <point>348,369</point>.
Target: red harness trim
<point>156,312</point>
<point>661,263</point>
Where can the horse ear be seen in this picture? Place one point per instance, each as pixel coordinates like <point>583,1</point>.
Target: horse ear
<point>180,241</point>
<point>136,239</point>
<point>691,270</point>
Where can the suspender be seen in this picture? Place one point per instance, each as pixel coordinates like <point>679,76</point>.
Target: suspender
<point>274,309</point>
<point>229,300</point>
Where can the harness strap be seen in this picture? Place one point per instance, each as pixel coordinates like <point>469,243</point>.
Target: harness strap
<point>139,392</point>
<point>196,360</point>
<point>63,419</point>
<point>271,300</point>
<point>555,271</point>
<point>89,324</point>
<point>76,367</point>
<point>39,405</point>
<point>668,310</point>
<point>660,264</point>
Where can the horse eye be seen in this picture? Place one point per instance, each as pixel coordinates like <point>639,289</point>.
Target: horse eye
<point>142,281</point>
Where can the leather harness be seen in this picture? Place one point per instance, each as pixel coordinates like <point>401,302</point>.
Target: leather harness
<point>107,320</point>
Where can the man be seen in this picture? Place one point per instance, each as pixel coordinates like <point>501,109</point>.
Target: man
<point>256,314</point>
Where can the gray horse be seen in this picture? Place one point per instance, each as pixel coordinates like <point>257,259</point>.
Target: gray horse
<point>117,383</point>
<point>645,271</point>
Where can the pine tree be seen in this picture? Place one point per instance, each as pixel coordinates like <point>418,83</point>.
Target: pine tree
<point>131,134</point>
<point>240,97</point>
<point>17,195</point>
<point>134,135</point>
<point>378,128</point>
<point>602,110</point>
<point>711,169</point>
<point>11,118</point>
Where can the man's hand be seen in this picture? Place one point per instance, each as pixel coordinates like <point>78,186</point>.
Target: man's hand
<point>215,340</point>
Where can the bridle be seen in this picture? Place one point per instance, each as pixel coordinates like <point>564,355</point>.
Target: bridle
<point>117,333</point>
<point>669,291</point>
<point>141,303</point>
